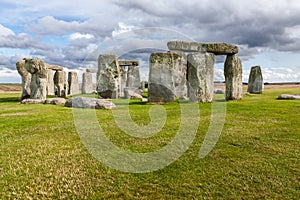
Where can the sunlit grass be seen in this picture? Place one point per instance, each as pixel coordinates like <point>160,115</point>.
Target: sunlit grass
<point>256,157</point>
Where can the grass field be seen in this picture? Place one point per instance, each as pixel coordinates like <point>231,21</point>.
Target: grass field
<point>256,157</point>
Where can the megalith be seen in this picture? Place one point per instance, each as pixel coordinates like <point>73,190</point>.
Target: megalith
<point>133,75</point>
<point>161,81</point>
<point>50,82</point>
<point>180,74</point>
<point>201,76</point>
<point>26,79</point>
<point>73,83</point>
<point>233,77</point>
<point>60,83</point>
<point>87,83</point>
<point>108,76</point>
<point>255,82</point>
<point>38,85</point>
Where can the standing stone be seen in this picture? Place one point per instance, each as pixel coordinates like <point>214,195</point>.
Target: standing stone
<point>161,81</point>
<point>38,84</point>
<point>73,83</point>
<point>180,75</point>
<point>26,79</point>
<point>233,77</point>
<point>201,77</point>
<point>255,82</point>
<point>122,81</point>
<point>60,83</point>
<point>50,82</point>
<point>108,76</point>
<point>133,76</point>
<point>87,83</point>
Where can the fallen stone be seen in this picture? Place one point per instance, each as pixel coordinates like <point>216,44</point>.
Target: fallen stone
<point>132,93</point>
<point>289,96</point>
<point>255,82</point>
<point>219,91</point>
<point>215,48</point>
<point>55,101</point>
<point>87,102</point>
<point>32,101</point>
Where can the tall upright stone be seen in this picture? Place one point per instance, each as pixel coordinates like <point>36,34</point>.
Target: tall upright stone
<point>50,82</point>
<point>73,83</point>
<point>60,83</point>
<point>133,76</point>
<point>255,82</point>
<point>161,81</point>
<point>233,77</point>
<point>122,81</point>
<point>26,79</point>
<point>201,77</point>
<point>108,76</point>
<point>180,74</point>
<point>38,85</point>
<point>87,83</point>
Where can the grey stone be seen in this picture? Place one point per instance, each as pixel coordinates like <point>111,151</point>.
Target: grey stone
<point>200,77</point>
<point>122,81</point>
<point>54,67</point>
<point>128,63</point>
<point>289,96</point>
<point>87,83</point>
<point>73,83</point>
<point>33,101</point>
<point>26,79</point>
<point>50,82</point>
<point>91,70</point>
<point>133,76</point>
<point>255,82</point>
<point>161,82</point>
<point>215,48</point>
<point>55,101</point>
<point>233,77</point>
<point>180,75</point>
<point>60,83</point>
<point>132,93</point>
<point>87,102</point>
<point>219,91</point>
<point>108,76</point>
<point>38,85</point>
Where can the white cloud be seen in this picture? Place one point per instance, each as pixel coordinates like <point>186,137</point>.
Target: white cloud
<point>75,36</point>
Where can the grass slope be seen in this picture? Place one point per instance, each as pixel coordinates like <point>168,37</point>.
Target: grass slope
<point>256,157</point>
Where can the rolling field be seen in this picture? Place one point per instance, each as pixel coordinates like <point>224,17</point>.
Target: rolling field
<point>256,157</point>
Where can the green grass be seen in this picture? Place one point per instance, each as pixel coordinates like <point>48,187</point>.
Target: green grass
<point>256,157</point>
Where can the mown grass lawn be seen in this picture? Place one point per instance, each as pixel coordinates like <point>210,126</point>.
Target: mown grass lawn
<point>256,157</point>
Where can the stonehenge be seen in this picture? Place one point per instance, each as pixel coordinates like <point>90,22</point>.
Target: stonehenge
<point>185,72</point>
<point>255,81</point>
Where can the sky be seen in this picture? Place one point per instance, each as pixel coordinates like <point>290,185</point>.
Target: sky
<point>73,33</point>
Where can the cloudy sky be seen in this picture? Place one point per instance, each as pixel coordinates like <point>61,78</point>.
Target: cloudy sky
<point>73,33</point>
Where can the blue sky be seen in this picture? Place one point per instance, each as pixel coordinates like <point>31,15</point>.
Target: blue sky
<point>73,33</point>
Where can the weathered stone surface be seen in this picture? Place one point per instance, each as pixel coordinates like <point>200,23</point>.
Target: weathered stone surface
<point>132,93</point>
<point>128,63</point>
<point>60,83</point>
<point>50,82</point>
<point>215,48</point>
<point>54,67</point>
<point>122,81</point>
<point>180,75</point>
<point>161,81</point>
<point>255,82</point>
<point>200,77</point>
<point>219,91</point>
<point>108,76</point>
<point>87,102</point>
<point>233,77</point>
<point>289,96</point>
<point>91,70</point>
<point>32,101</point>
<point>38,84</point>
<point>133,76</point>
<point>73,83</point>
<point>55,101</point>
<point>26,79</point>
<point>87,83</point>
